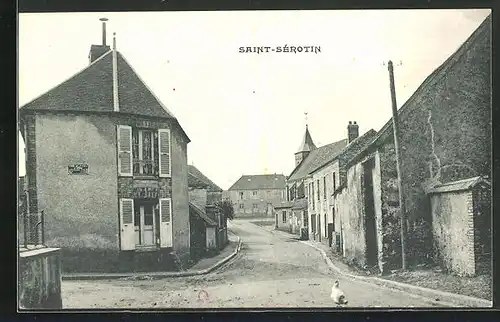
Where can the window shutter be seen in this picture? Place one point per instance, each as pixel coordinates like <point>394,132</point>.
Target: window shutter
<point>166,236</point>
<point>164,151</point>
<point>124,134</point>
<point>127,232</point>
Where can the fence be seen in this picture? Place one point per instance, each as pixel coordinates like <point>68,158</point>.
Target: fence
<point>31,229</point>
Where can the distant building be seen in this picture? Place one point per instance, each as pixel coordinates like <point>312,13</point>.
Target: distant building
<point>107,163</point>
<point>251,194</point>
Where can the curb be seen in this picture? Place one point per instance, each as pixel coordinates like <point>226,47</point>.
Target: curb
<point>157,274</point>
<point>450,299</point>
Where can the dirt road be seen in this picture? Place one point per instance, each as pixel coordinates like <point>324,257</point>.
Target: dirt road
<point>270,271</point>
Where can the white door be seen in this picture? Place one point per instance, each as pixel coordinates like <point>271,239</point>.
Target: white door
<point>147,217</point>
<point>127,233</point>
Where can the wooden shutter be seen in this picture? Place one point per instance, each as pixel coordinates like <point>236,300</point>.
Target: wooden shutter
<point>124,134</point>
<point>166,237</point>
<point>127,232</point>
<point>164,152</point>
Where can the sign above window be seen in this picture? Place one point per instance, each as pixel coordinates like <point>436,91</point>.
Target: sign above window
<point>80,168</point>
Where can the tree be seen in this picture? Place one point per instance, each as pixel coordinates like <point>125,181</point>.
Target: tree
<point>225,207</point>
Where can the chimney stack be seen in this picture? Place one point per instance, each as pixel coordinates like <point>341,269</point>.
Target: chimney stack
<point>352,131</point>
<point>97,51</point>
<point>104,30</point>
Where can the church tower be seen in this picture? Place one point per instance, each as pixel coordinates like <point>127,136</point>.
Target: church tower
<point>305,148</point>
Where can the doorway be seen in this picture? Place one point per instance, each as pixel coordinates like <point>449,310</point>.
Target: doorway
<point>145,213</point>
<point>369,207</point>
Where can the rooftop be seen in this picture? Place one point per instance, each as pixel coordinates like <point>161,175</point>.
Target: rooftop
<point>259,181</point>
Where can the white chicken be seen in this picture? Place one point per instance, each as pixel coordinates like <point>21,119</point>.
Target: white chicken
<point>337,295</point>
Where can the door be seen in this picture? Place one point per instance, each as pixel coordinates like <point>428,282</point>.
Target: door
<point>370,225</point>
<point>127,235</point>
<point>147,216</point>
<point>319,227</point>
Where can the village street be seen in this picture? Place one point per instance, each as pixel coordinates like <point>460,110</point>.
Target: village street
<point>272,270</point>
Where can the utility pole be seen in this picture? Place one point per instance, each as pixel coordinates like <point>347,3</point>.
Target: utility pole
<point>395,126</point>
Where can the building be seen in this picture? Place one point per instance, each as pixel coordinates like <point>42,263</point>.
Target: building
<point>251,194</point>
<point>326,178</point>
<point>445,136</point>
<point>208,227</point>
<point>298,191</point>
<point>107,163</point>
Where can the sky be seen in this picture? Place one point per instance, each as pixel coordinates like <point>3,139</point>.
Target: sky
<point>244,112</point>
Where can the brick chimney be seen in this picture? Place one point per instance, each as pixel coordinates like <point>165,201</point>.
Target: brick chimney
<point>352,131</point>
<point>97,51</point>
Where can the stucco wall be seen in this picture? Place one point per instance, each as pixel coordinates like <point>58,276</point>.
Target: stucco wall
<point>284,225</point>
<point>180,198</point>
<point>80,210</point>
<point>453,238</point>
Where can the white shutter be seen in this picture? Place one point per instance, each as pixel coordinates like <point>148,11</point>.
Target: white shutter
<point>164,149</point>
<point>127,233</point>
<point>124,134</point>
<point>166,237</point>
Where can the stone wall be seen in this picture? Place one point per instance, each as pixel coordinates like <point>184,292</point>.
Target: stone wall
<point>39,279</point>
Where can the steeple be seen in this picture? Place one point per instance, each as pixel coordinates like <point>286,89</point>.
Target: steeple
<point>306,146</point>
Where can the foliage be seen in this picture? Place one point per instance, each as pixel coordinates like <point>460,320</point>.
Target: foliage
<point>225,207</point>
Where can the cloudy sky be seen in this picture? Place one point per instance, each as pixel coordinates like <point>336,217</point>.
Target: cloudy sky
<point>245,112</point>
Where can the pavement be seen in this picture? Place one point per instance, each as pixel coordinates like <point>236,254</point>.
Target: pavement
<point>445,298</point>
<point>203,266</point>
<point>271,270</point>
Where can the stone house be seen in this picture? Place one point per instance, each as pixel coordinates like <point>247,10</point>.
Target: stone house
<point>251,194</point>
<point>445,136</point>
<point>107,163</point>
<point>298,191</point>
<point>282,216</point>
<point>327,178</point>
<point>208,228</point>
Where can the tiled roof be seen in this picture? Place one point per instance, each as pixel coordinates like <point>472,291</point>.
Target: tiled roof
<point>202,214</point>
<point>439,72</point>
<point>283,205</point>
<point>91,90</point>
<point>260,181</point>
<point>192,170</point>
<point>350,150</point>
<point>194,182</point>
<point>307,143</point>
<point>317,158</point>
<point>459,185</point>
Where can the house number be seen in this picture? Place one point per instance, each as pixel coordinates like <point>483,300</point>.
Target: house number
<point>78,169</point>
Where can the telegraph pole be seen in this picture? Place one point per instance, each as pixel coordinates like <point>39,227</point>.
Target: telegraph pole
<point>395,126</point>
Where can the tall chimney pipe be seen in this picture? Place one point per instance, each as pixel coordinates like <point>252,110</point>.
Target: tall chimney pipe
<point>104,30</point>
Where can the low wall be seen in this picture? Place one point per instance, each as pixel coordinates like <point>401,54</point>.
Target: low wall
<point>39,281</point>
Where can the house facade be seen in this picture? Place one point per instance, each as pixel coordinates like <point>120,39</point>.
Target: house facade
<point>327,178</point>
<point>251,194</point>
<point>445,136</point>
<point>301,191</point>
<point>107,163</point>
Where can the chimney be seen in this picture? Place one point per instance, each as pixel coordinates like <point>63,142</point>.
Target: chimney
<point>352,131</point>
<point>96,51</point>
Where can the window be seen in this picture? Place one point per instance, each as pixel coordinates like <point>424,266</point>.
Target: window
<point>334,182</point>
<point>287,193</point>
<point>283,214</point>
<point>324,187</point>
<point>143,152</point>
<point>254,193</point>
<point>241,195</point>
<point>317,185</point>
<point>242,206</point>
<point>255,206</point>
<point>144,143</point>
<point>312,194</point>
